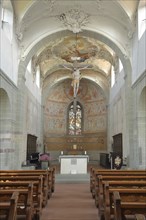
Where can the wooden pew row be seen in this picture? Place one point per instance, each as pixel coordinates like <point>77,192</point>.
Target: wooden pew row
<point>95,172</point>
<point>120,207</point>
<point>107,185</point>
<point>31,177</point>
<point>49,180</point>
<point>9,209</point>
<point>37,192</point>
<point>17,178</point>
<point>112,173</point>
<point>102,178</point>
<point>25,208</point>
<point>133,202</point>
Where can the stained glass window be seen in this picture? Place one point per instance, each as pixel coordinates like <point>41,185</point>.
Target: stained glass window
<point>75,119</point>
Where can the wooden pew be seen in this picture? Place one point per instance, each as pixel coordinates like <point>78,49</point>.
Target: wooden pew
<point>122,177</point>
<point>133,201</point>
<point>52,170</point>
<point>25,200</point>
<point>121,207</point>
<point>94,173</point>
<point>29,177</point>
<point>49,181</point>
<point>9,209</point>
<point>101,178</point>
<point>116,184</point>
<point>37,191</point>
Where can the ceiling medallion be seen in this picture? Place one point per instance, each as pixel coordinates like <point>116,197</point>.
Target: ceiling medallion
<point>74,20</point>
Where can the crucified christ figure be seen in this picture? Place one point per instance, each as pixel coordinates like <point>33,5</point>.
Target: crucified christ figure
<point>76,75</point>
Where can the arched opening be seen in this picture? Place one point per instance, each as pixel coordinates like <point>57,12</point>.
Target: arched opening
<point>5,130</point>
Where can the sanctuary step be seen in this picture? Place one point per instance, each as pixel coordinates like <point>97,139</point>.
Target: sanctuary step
<point>72,178</point>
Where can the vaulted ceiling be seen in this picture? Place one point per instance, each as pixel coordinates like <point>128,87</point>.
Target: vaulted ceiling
<point>36,20</point>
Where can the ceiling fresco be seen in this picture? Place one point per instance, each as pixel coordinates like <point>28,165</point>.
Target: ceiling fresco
<point>37,20</point>
<point>87,50</point>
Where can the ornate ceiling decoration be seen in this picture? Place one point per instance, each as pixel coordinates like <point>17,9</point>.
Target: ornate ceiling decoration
<point>36,20</point>
<point>74,20</point>
<point>88,50</point>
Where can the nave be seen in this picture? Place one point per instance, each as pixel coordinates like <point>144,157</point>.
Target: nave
<point>104,194</point>
<point>71,201</point>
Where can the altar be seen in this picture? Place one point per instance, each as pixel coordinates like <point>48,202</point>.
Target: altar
<point>73,164</point>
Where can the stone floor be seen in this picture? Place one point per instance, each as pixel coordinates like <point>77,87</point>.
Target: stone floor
<point>71,201</point>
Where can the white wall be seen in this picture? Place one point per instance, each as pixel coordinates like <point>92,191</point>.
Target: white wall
<point>139,44</point>
<point>9,47</point>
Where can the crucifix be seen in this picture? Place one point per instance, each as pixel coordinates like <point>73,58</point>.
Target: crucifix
<point>76,75</point>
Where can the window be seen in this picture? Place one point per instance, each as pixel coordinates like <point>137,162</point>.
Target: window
<point>38,77</point>
<point>141,18</point>
<point>7,19</point>
<point>75,119</point>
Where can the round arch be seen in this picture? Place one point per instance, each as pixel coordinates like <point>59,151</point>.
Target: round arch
<point>5,109</point>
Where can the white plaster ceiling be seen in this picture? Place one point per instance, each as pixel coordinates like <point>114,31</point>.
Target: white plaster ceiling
<point>37,19</point>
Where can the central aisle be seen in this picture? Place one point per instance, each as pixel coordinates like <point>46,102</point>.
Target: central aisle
<point>71,201</point>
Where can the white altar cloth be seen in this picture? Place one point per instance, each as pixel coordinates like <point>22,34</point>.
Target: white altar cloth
<point>73,164</point>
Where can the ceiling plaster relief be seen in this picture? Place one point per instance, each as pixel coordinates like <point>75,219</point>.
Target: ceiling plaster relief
<point>74,20</point>
<point>99,5</point>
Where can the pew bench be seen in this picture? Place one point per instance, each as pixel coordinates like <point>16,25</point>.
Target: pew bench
<point>121,207</point>
<point>25,208</point>
<point>37,192</point>
<point>48,182</point>
<point>133,200</point>
<point>122,182</point>
<point>95,173</point>
<point>104,185</point>
<point>101,178</point>
<point>8,210</point>
<point>24,177</point>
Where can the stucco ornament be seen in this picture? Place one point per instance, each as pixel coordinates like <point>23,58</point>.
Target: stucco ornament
<point>74,20</point>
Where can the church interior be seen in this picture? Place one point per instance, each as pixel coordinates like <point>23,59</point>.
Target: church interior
<point>73,86</point>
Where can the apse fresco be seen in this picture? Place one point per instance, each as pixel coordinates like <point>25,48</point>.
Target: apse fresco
<point>89,119</point>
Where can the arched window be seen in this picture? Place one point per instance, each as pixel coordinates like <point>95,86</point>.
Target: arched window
<point>75,119</point>
<point>141,18</point>
<point>6,12</point>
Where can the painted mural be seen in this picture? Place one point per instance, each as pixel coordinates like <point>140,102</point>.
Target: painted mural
<point>94,119</point>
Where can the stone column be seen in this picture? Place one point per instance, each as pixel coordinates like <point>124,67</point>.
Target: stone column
<point>21,134</point>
